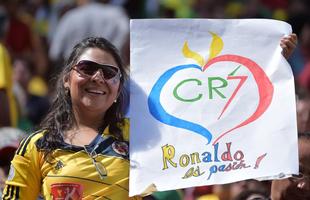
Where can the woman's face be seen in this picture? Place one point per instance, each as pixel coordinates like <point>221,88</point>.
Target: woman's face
<point>92,93</point>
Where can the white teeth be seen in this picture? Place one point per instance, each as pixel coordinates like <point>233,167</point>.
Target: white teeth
<point>96,91</point>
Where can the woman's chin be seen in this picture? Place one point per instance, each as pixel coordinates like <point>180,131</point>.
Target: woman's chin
<point>96,107</point>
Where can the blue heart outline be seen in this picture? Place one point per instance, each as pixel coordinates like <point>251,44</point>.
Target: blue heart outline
<point>159,113</point>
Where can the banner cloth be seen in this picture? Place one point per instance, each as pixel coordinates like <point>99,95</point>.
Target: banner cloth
<point>212,102</point>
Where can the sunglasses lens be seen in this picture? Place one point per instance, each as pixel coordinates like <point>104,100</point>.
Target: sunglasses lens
<point>109,72</point>
<point>87,68</point>
<point>90,68</point>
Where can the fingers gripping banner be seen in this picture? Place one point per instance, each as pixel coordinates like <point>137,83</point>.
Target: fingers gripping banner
<point>212,102</point>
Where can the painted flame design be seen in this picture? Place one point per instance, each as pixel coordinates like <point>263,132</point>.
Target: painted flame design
<point>216,47</point>
<point>193,55</point>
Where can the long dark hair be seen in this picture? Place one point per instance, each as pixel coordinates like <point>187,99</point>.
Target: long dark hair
<point>61,118</point>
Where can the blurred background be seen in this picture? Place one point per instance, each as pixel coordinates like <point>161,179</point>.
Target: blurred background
<point>36,37</point>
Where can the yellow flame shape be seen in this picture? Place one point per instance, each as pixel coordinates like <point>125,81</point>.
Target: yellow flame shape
<point>193,55</point>
<point>216,45</point>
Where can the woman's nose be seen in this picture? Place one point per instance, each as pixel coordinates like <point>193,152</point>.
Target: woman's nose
<point>98,76</point>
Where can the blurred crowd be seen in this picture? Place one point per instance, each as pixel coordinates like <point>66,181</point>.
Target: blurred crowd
<point>36,37</point>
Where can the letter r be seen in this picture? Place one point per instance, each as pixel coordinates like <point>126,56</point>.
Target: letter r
<point>211,87</point>
<point>168,155</point>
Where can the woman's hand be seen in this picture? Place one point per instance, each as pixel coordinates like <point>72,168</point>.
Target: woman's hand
<point>288,44</point>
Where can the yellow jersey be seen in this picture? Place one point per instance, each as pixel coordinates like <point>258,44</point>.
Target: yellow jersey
<point>74,172</point>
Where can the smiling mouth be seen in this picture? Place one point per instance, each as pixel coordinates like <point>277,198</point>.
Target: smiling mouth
<point>97,92</point>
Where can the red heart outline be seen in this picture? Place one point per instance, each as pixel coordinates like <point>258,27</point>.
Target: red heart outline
<point>265,87</point>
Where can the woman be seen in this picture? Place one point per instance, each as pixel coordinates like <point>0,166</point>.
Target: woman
<point>81,150</point>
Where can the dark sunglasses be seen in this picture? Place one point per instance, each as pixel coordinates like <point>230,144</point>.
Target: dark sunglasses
<point>89,68</point>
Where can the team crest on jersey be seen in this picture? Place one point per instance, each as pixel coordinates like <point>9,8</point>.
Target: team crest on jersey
<point>64,191</point>
<point>11,173</point>
<point>59,165</point>
<point>120,148</point>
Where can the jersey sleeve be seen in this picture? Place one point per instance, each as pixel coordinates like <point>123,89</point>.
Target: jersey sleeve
<point>24,179</point>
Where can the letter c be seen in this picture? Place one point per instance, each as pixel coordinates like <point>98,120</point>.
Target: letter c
<point>176,95</point>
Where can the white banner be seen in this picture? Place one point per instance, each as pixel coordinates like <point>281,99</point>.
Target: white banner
<point>212,102</point>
